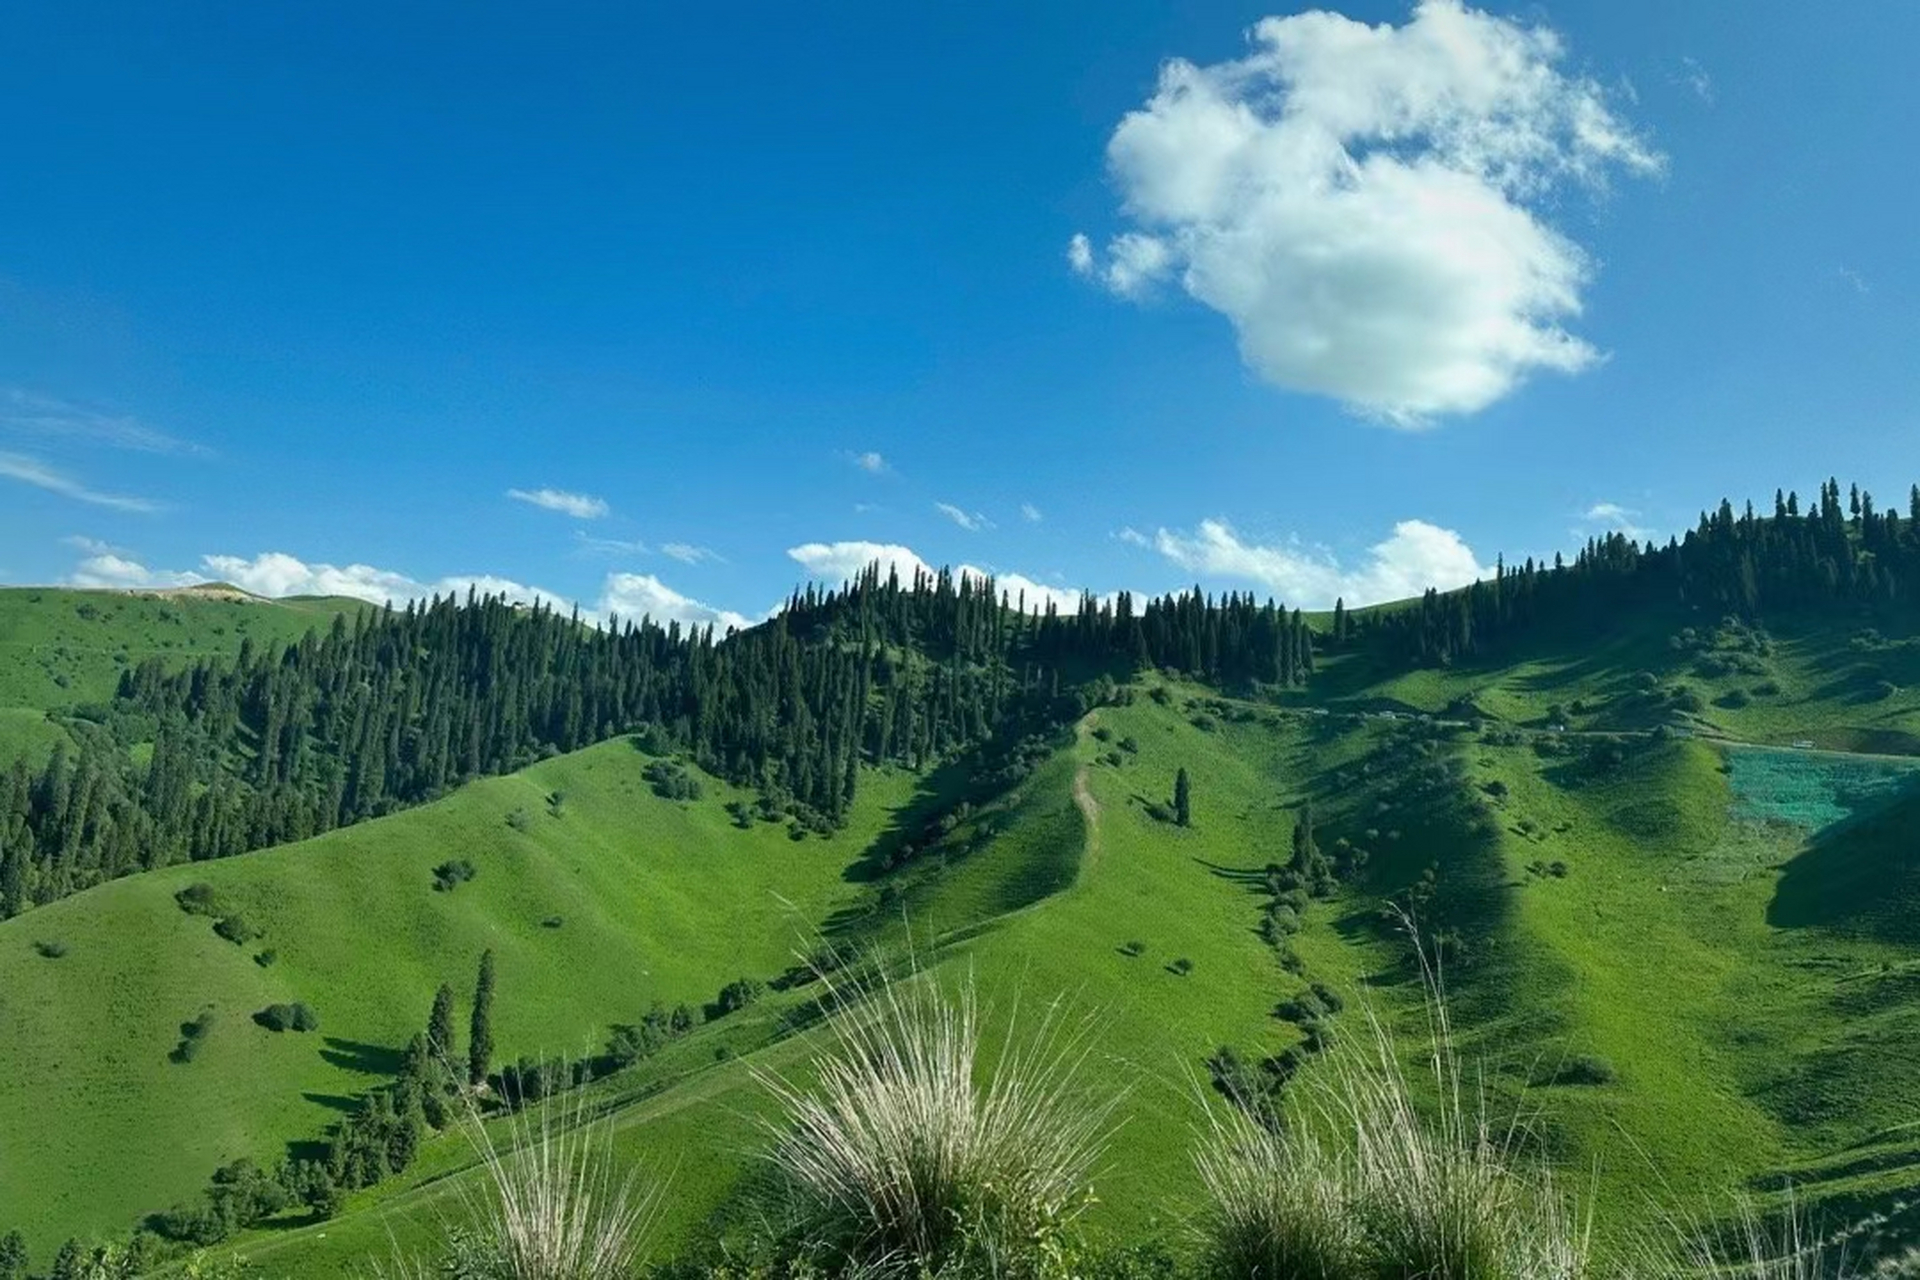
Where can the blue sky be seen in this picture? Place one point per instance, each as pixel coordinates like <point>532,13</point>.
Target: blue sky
<point>732,295</point>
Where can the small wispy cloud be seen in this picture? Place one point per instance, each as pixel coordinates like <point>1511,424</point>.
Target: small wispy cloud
<point>1030,513</point>
<point>1621,519</point>
<point>1133,537</point>
<point>971,521</point>
<point>687,553</point>
<point>25,412</point>
<point>1695,77</point>
<point>1080,254</point>
<point>1855,279</point>
<point>580,506</point>
<point>870,462</point>
<point>16,466</point>
<point>592,545</point>
<point>92,546</point>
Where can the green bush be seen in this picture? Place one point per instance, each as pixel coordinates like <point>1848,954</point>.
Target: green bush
<point>450,875</point>
<point>193,1037</point>
<point>51,948</point>
<point>198,899</point>
<point>237,929</point>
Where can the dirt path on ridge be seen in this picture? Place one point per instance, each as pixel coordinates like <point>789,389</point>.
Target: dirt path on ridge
<point>1083,799</point>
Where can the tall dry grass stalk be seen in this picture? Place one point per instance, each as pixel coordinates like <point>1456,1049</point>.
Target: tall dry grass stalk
<point>1355,1180</point>
<point>554,1204</point>
<point>909,1154</point>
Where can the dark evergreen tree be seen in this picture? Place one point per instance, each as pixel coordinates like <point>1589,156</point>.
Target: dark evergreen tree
<point>1182,798</point>
<point>440,1046</point>
<point>480,1039</point>
<point>13,1257</point>
<point>70,1263</point>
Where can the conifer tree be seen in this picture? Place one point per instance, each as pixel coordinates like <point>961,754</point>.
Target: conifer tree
<point>1182,798</point>
<point>440,1026</point>
<point>13,1257</point>
<point>480,1041</point>
<point>70,1262</point>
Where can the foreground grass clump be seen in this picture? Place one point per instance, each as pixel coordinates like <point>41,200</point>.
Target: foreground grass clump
<point>907,1158</point>
<point>554,1207</point>
<point>1357,1181</point>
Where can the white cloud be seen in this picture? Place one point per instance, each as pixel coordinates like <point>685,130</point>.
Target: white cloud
<point>971,521</point>
<point>870,462</point>
<point>15,466</point>
<point>1030,513</point>
<point>1695,77</point>
<point>1080,254</point>
<point>580,506</point>
<point>1133,537</point>
<point>1617,517</point>
<point>1418,555</point>
<point>641,595</point>
<point>107,569</point>
<point>1364,204</point>
<point>275,574</point>
<point>593,545</point>
<point>687,553</point>
<point>1857,281</point>
<point>30,413</point>
<point>837,562</point>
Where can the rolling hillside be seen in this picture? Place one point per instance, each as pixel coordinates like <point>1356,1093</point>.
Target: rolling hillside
<point>62,648</point>
<point>1674,938</point>
<point>597,896</point>
<point>1675,1036</point>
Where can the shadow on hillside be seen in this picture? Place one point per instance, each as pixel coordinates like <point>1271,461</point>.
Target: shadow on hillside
<point>358,1056</point>
<point>934,792</point>
<point>1859,876</point>
<point>334,1102</point>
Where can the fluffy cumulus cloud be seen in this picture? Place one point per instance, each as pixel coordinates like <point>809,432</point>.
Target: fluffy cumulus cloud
<point>641,595</point>
<point>1418,555</point>
<point>581,506</point>
<point>870,462</point>
<point>1366,204</point>
<point>836,562</point>
<point>109,569</point>
<point>275,574</point>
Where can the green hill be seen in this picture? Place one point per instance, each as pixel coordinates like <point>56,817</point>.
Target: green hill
<point>597,896</point>
<point>1662,852</point>
<point>62,648</point>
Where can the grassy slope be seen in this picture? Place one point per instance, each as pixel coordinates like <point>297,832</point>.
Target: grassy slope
<point>1819,683</point>
<point>1749,1043</point>
<point>1756,1024</point>
<point>657,901</point>
<point>61,648</point>
<point>1036,914</point>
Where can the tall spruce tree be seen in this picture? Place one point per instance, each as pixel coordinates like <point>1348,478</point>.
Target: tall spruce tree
<point>440,1026</point>
<point>480,1040</point>
<point>13,1257</point>
<point>1182,798</point>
